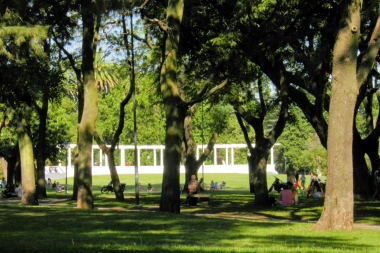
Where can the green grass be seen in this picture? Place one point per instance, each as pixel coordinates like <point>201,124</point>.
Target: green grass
<point>230,224</point>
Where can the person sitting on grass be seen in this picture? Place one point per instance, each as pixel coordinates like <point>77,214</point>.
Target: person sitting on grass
<point>193,186</point>
<point>317,192</point>
<point>222,185</point>
<point>59,188</point>
<point>211,185</point>
<point>18,191</point>
<point>286,197</point>
<point>149,188</point>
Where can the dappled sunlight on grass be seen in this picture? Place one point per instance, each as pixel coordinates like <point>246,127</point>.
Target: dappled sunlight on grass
<point>132,230</point>
<point>231,223</point>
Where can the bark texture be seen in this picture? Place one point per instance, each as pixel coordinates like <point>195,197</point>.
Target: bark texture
<point>174,110</point>
<point>338,210</point>
<point>25,144</point>
<point>86,127</point>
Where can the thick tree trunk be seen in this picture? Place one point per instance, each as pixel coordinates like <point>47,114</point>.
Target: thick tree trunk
<point>170,195</point>
<point>258,161</point>
<point>174,110</point>
<point>86,126</point>
<point>338,212</point>
<point>25,144</point>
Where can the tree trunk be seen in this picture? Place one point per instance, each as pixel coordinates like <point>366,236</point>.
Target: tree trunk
<point>192,165</point>
<point>10,164</point>
<point>114,176</point>
<point>174,110</point>
<point>251,176</point>
<point>25,144</point>
<point>113,172</point>
<point>338,212</point>
<point>170,195</point>
<point>190,149</point>
<point>363,182</point>
<point>41,155</point>
<point>4,167</point>
<point>258,161</point>
<point>76,173</point>
<point>86,126</point>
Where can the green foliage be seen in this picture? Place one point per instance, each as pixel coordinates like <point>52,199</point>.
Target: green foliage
<point>105,72</point>
<point>301,146</point>
<point>14,32</point>
<point>150,115</point>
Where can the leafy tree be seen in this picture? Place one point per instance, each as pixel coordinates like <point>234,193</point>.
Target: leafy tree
<point>219,123</point>
<point>255,115</point>
<point>25,42</point>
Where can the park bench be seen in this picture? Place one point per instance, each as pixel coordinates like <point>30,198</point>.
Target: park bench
<point>204,198</point>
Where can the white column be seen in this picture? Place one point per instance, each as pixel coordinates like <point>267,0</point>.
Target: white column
<point>226,161</point>
<point>138,157</point>
<point>232,156</point>
<point>162,156</point>
<point>215,156</point>
<point>122,156</point>
<point>92,156</point>
<point>154,157</point>
<point>271,156</point>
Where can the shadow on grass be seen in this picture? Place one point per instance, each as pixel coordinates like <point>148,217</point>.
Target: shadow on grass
<point>55,229</point>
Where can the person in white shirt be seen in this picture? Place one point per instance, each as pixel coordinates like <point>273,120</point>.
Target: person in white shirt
<point>18,191</point>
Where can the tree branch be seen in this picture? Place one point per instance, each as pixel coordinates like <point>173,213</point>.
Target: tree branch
<point>160,23</point>
<point>200,98</point>
<point>369,56</point>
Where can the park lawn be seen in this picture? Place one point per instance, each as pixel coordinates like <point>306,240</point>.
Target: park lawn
<point>230,224</point>
<point>62,229</point>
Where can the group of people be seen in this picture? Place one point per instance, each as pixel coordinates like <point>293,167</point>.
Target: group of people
<point>215,186</point>
<point>12,191</point>
<point>316,188</point>
<point>57,187</point>
<point>289,194</point>
<point>194,186</point>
